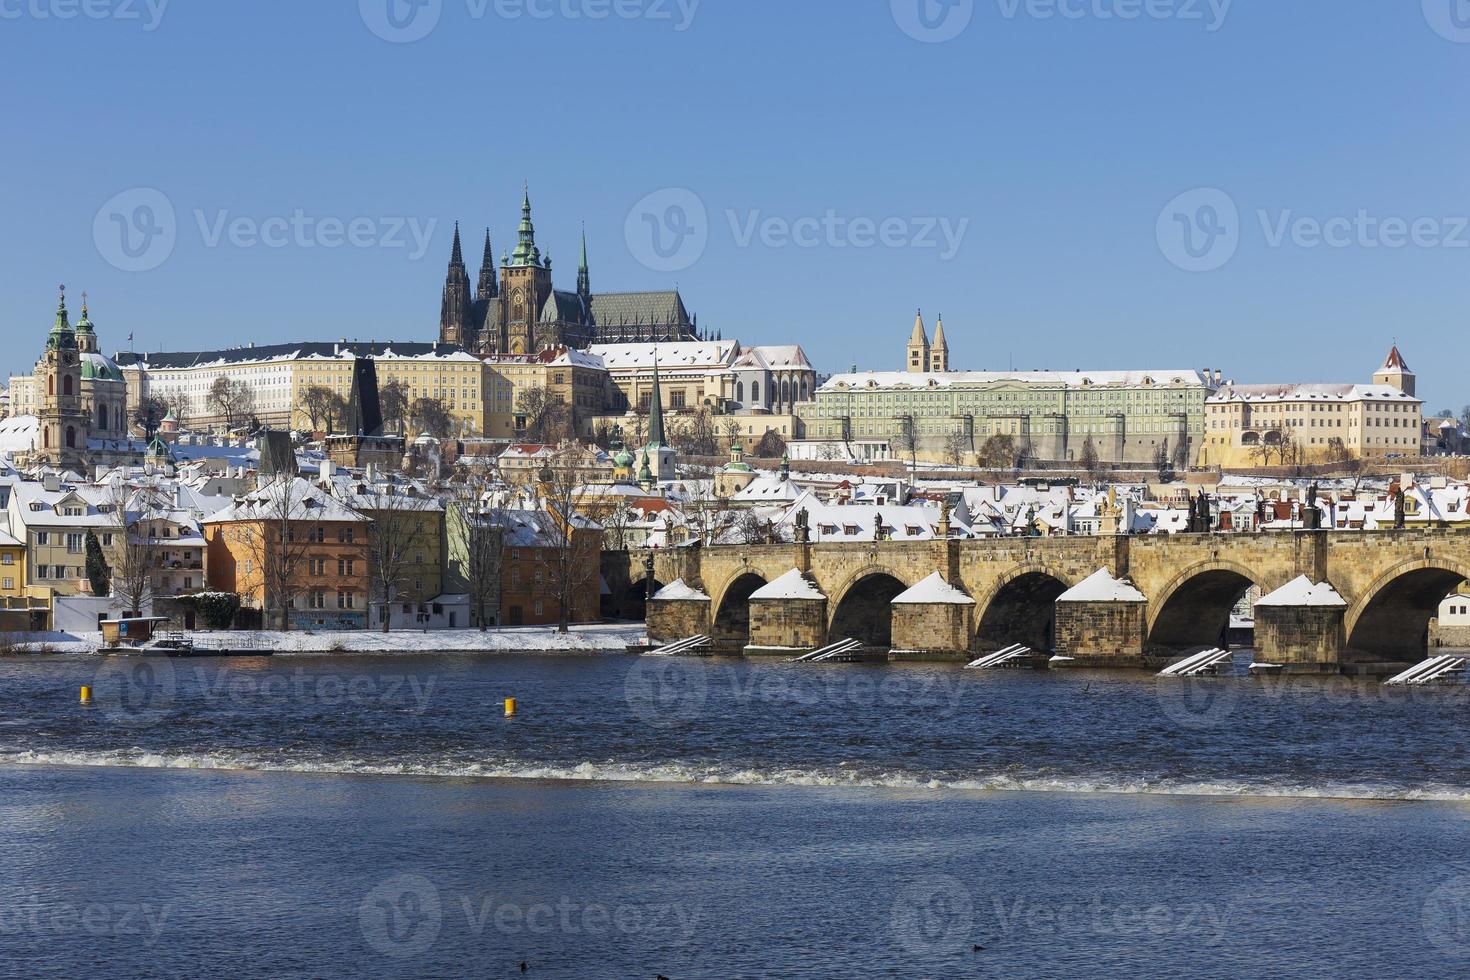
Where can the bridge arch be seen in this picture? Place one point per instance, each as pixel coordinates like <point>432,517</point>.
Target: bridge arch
<point>1194,608</point>
<point>730,609</point>
<point>1021,607</point>
<point>1391,617</point>
<point>862,607</point>
<point>635,600</point>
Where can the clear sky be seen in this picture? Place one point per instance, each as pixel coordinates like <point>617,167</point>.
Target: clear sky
<point>802,170</point>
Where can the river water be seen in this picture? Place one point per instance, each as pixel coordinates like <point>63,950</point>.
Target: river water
<point>379,816</point>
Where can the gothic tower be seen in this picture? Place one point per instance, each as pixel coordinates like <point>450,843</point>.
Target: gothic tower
<point>939,352</point>
<point>488,288</point>
<point>63,422</point>
<point>584,278</point>
<point>918,349</point>
<point>525,286</point>
<point>455,326</point>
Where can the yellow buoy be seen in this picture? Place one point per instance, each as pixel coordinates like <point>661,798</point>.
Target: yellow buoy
<point>510,707</point>
<point>86,695</point>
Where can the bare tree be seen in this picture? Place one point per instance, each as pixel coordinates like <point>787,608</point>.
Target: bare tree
<point>1180,458</point>
<point>431,417</point>
<point>1163,468</point>
<point>278,537</point>
<point>709,515</point>
<point>771,446</point>
<point>323,407</point>
<point>574,542</point>
<point>232,400</point>
<point>956,445</point>
<point>135,537</point>
<point>998,452</point>
<point>1090,462</point>
<point>730,426</point>
<point>701,439</point>
<point>751,528</point>
<point>397,537</point>
<point>475,540</point>
<point>393,406</point>
<point>542,416</point>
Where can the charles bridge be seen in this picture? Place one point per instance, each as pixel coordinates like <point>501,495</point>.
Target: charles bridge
<point>1105,600</point>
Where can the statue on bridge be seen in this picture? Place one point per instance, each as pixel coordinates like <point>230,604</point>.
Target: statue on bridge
<point>803,528</point>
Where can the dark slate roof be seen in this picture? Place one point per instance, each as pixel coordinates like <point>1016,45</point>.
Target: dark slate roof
<point>563,307</point>
<point>265,352</point>
<point>611,309</point>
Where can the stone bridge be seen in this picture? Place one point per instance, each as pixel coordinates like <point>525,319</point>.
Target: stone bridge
<point>1368,596</point>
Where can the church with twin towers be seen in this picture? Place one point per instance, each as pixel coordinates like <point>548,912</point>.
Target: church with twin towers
<point>514,308</point>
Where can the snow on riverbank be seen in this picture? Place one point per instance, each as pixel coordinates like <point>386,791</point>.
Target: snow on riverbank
<point>613,638</point>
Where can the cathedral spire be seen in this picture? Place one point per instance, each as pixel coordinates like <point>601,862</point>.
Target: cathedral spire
<point>584,278</point>
<point>655,409</point>
<point>526,252</point>
<point>61,332</point>
<point>488,288</point>
<point>455,312</point>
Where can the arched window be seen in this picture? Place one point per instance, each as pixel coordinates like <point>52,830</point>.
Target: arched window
<point>755,392</point>
<point>51,385</point>
<point>102,417</point>
<point>46,439</point>
<point>786,391</point>
<point>71,437</point>
<point>740,391</point>
<point>66,385</point>
<point>804,390</point>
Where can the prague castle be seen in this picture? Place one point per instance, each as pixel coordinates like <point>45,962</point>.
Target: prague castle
<point>518,310</point>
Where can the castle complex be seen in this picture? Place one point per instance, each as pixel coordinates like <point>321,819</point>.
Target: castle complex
<point>518,311</point>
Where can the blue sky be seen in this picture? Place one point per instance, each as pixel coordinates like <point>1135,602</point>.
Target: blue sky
<point>1067,146</point>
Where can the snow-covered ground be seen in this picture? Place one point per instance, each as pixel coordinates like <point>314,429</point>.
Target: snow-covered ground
<point>615,638</point>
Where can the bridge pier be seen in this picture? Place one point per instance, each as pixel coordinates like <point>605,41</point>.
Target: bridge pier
<point>1300,627</point>
<point>1102,622</point>
<point>932,621</point>
<point>786,617</point>
<point>677,612</point>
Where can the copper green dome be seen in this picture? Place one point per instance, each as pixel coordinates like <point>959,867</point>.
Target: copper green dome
<point>61,337</point>
<point>95,367</point>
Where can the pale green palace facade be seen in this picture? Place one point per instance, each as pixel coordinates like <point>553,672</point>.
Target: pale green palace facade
<point>1128,415</point>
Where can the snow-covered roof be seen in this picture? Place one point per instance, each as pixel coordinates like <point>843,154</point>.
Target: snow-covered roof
<point>1054,379</point>
<point>1266,394</point>
<point>792,585</point>
<point>678,591</point>
<point>671,357</point>
<point>1301,592</point>
<point>934,589</point>
<point>1101,586</point>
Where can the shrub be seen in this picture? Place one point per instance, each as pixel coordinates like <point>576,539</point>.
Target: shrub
<point>217,609</point>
